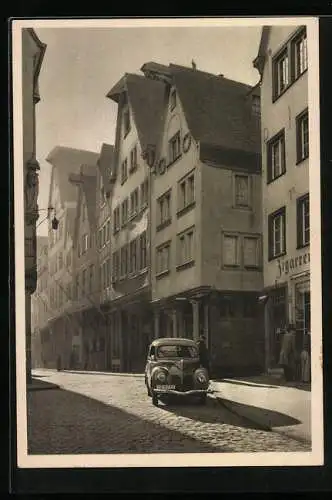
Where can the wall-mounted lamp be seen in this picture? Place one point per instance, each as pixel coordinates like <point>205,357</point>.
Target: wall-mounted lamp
<point>54,222</point>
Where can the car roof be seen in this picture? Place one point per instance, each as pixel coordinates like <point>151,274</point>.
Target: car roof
<point>174,341</point>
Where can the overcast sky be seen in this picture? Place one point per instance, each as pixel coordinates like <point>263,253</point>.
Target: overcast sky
<point>82,64</point>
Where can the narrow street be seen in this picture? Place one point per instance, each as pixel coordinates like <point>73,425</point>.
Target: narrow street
<point>108,413</point>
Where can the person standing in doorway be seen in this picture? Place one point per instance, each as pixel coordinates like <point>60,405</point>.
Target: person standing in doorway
<point>203,353</point>
<point>288,353</point>
<point>305,359</point>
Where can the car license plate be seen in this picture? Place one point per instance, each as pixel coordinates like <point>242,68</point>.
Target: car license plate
<point>165,387</point>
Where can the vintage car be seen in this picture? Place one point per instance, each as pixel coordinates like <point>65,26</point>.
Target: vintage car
<point>173,369</point>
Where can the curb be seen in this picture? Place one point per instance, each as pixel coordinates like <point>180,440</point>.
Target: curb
<point>257,422</point>
<point>34,388</point>
<point>254,421</point>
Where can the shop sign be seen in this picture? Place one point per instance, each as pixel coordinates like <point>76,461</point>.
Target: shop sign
<point>289,266</point>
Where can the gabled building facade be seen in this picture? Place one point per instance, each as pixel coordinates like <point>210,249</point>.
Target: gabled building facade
<point>63,204</point>
<point>140,104</point>
<point>88,343</point>
<point>206,267</point>
<point>103,242</point>
<point>282,62</point>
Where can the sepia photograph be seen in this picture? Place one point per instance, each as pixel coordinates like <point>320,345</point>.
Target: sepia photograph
<point>167,242</point>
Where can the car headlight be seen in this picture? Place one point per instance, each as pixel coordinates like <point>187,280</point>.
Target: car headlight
<point>201,377</point>
<point>161,376</point>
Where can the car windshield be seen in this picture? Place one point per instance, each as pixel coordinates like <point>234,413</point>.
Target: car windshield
<point>177,351</point>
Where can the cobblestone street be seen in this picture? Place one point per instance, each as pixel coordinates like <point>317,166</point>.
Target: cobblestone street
<point>101,413</point>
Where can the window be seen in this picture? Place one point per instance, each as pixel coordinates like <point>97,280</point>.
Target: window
<point>126,122</point>
<point>144,193</point>
<point>281,73</point>
<point>164,209</point>
<point>60,260</point>
<point>242,192</point>
<point>251,252</point>
<point>303,221</point>
<point>163,258</point>
<point>302,136</point>
<point>116,219</point>
<point>186,192</point>
<point>83,281</point>
<point>300,54</point>
<point>91,270</point>
<point>142,251</point>
<point>276,161</point>
<point>124,261</point>
<point>84,243</point>
<point>133,159</point>
<point>134,202</point>
<point>124,171</point>
<point>133,256</point>
<point>231,250</point>
<point>174,148</point>
<point>173,99</point>
<point>277,233</point>
<point>115,266</point>
<point>107,272</point>
<point>186,247</point>
<point>124,212</point>
<point>290,63</point>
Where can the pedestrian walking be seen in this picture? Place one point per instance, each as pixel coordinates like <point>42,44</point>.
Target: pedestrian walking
<point>203,353</point>
<point>58,363</point>
<point>287,357</point>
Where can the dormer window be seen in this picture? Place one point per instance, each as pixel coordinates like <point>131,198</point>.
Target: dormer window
<point>173,99</point>
<point>126,122</point>
<point>256,105</point>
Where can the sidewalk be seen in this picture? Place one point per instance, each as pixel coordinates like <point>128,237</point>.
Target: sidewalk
<point>40,385</point>
<point>269,403</point>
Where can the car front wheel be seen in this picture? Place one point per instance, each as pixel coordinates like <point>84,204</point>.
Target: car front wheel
<point>154,399</point>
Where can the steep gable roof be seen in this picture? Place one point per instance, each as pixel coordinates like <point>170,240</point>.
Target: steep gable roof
<point>217,109</point>
<point>85,183</point>
<point>259,60</point>
<point>105,165</point>
<point>66,161</point>
<point>146,97</point>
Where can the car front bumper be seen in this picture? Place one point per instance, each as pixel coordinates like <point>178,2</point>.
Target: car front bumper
<point>192,392</point>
